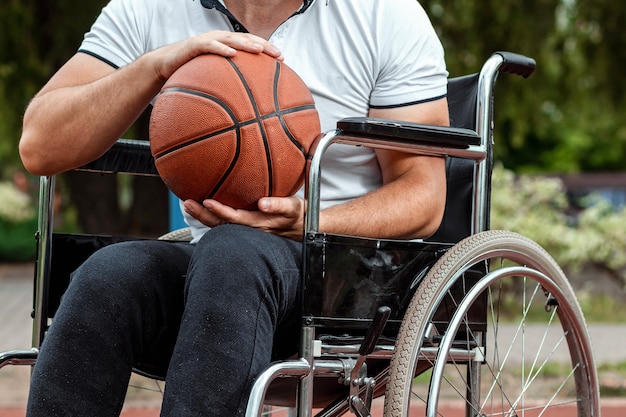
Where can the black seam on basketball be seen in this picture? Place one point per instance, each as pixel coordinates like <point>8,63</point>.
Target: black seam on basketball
<point>288,111</point>
<point>259,121</point>
<point>192,141</point>
<point>280,113</point>
<point>236,124</point>
<point>233,162</point>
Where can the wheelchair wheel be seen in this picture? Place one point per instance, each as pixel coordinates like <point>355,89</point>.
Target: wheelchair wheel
<point>515,341</point>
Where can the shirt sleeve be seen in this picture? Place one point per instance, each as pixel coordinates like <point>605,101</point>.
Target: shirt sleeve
<point>118,36</point>
<point>413,68</point>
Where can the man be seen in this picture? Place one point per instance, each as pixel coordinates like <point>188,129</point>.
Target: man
<point>210,309</point>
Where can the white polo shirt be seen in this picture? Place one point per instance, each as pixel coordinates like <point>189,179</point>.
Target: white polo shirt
<point>352,54</point>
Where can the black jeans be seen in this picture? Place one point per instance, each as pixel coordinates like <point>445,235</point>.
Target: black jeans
<point>204,315</point>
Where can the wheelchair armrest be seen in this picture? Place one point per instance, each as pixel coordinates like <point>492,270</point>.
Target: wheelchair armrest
<point>127,156</point>
<point>387,134</point>
<point>402,131</point>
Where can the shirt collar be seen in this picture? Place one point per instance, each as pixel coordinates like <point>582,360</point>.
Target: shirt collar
<point>219,5</point>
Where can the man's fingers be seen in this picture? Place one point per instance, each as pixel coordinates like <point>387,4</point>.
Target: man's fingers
<point>241,41</point>
<point>287,206</point>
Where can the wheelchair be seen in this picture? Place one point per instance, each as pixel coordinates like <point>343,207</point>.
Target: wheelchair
<point>471,320</point>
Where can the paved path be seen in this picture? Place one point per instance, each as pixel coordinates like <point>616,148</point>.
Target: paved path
<point>15,333</point>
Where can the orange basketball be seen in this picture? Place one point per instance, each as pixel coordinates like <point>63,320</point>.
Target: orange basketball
<point>233,129</point>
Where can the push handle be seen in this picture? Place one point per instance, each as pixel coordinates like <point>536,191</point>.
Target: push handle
<point>517,64</point>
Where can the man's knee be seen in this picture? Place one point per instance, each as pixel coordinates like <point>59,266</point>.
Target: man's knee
<point>128,267</point>
<point>238,260</point>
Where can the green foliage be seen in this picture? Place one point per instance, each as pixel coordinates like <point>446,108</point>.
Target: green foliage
<point>601,308</point>
<point>604,239</point>
<point>36,38</point>
<point>530,205</point>
<point>16,206</point>
<point>568,116</point>
<point>18,241</point>
<point>535,206</point>
<point>18,224</point>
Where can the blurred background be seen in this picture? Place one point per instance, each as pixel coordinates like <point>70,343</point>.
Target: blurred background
<point>560,152</point>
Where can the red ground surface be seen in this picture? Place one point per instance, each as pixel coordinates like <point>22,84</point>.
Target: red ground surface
<point>610,408</point>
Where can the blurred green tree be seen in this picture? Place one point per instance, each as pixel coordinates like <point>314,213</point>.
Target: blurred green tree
<point>36,38</point>
<point>568,116</point>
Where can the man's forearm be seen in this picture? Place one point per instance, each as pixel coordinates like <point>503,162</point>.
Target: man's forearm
<point>406,208</point>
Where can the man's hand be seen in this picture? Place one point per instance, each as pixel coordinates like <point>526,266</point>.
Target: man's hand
<point>283,216</point>
<point>169,58</point>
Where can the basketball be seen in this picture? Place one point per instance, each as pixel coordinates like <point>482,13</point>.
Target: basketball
<point>233,129</point>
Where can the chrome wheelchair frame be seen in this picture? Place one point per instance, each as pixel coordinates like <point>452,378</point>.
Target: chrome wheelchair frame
<point>442,315</point>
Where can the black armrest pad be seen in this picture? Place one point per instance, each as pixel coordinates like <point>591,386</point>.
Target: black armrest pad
<point>436,135</point>
<point>125,156</point>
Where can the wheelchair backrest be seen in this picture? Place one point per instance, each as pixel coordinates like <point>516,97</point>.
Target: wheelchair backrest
<point>456,223</point>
